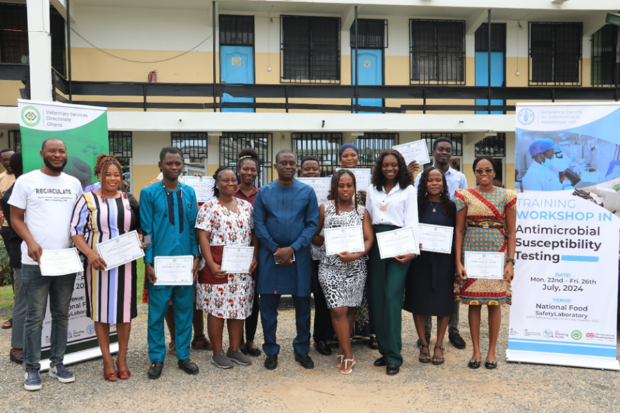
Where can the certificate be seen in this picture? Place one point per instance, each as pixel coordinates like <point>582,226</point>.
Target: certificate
<point>60,262</point>
<point>344,239</point>
<point>202,186</point>
<point>489,265</point>
<point>174,270</point>
<point>237,259</point>
<point>436,238</point>
<point>397,242</point>
<point>414,151</point>
<point>362,177</point>
<point>120,250</point>
<point>321,187</point>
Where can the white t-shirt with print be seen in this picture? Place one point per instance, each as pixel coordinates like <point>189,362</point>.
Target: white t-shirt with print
<point>48,202</point>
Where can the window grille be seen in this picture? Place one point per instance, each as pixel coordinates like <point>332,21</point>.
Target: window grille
<point>324,146</point>
<point>310,49</point>
<point>121,144</point>
<point>57,28</point>
<point>231,143</point>
<point>13,34</point>
<point>437,51</point>
<point>498,37</point>
<point>494,146</point>
<point>236,30</point>
<point>555,54</point>
<point>371,34</point>
<point>604,46</point>
<point>456,138</point>
<point>371,145</point>
<point>15,140</point>
<point>193,145</point>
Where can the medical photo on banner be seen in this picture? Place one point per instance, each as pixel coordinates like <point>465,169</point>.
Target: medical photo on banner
<point>565,291</point>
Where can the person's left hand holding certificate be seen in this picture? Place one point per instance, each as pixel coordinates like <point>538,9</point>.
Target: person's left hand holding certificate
<point>121,250</point>
<point>60,262</point>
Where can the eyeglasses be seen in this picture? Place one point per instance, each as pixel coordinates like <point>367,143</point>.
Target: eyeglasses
<point>481,171</point>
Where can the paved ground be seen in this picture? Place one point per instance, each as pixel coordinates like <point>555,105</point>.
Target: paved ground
<point>419,387</point>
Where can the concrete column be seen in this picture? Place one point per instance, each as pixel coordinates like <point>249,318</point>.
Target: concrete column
<point>40,48</point>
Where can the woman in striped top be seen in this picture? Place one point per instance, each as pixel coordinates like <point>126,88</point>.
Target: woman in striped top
<point>99,216</point>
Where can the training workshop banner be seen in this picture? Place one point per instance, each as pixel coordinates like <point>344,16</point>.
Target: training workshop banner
<point>84,130</point>
<point>565,290</point>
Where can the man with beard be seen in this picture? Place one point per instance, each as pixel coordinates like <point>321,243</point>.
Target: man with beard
<point>442,152</point>
<point>41,209</point>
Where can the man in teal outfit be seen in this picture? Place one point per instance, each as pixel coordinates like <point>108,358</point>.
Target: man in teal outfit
<point>286,217</point>
<point>168,213</point>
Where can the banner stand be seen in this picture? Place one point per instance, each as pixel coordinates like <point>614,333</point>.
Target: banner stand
<point>535,357</point>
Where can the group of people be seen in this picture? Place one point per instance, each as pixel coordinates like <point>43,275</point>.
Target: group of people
<point>356,293</point>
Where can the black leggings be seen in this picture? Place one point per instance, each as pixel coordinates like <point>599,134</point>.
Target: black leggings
<point>251,323</point>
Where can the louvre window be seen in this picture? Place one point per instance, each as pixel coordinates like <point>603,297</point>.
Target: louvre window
<point>231,143</point>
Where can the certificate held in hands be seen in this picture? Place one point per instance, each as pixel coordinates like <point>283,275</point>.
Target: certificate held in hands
<point>202,186</point>
<point>484,265</point>
<point>397,242</point>
<point>60,262</point>
<point>436,238</point>
<point>237,259</point>
<point>120,250</point>
<point>321,187</point>
<point>174,270</point>
<point>362,178</point>
<point>344,239</point>
<point>414,151</point>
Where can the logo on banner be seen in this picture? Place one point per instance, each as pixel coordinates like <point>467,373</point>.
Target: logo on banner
<point>525,116</point>
<point>90,329</point>
<point>548,334</point>
<point>31,116</point>
<point>589,335</point>
<point>576,335</point>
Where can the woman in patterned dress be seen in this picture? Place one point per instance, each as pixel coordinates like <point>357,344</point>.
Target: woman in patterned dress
<point>485,221</point>
<point>99,216</point>
<point>225,221</point>
<point>343,276</point>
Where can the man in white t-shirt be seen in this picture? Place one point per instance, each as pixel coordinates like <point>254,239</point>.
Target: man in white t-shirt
<point>41,209</point>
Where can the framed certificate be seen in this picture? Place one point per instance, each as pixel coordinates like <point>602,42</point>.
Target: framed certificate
<point>362,177</point>
<point>489,265</point>
<point>321,187</point>
<point>174,270</point>
<point>202,186</point>
<point>60,262</point>
<point>344,239</point>
<point>120,250</point>
<point>436,238</point>
<point>237,259</point>
<point>414,151</point>
<point>398,242</point>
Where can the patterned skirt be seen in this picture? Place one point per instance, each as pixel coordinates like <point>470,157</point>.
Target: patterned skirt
<point>233,300</point>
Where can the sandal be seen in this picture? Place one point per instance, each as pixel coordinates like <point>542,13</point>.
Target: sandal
<point>123,375</point>
<point>201,343</point>
<point>172,348</point>
<point>350,369</point>
<point>110,376</point>
<point>340,358</point>
<point>437,360</point>
<point>7,324</point>
<point>422,358</point>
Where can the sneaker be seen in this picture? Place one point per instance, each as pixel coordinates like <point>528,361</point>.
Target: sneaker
<point>62,374</point>
<point>32,381</point>
<point>221,361</point>
<point>239,358</point>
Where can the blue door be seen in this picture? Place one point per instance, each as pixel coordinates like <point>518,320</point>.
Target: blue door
<point>482,76</point>
<point>237,67</point>
<point>370,71</point>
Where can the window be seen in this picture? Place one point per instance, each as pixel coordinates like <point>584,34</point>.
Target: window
<point>498,37</point>
<point>231,143</point>
<point>121,146</point>
<point>457,147</point>
<point>237,30</point>
<point>492,146</point>
<point>604,46</point>
<point>371,145</point>
<point>555,53</point>
<point>324,146</point>
<point>310,49</point>
<point>371,34</point>
<point>194,147</point>
<point>437,52</point>
<point>15,140</point>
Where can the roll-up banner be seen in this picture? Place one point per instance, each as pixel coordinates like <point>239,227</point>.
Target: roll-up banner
<point>84,130</point>
<point>565,291</point>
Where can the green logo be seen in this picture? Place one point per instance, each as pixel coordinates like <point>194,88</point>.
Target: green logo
<point>174,260</point>
<point>117,241</point>
<point>342,231</point>
<point>31,116</point>
<point>435,228</point>
<point>484,255</point>
<point>576,335</point>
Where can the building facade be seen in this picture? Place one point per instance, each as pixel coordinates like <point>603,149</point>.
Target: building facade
<point>213,78</point>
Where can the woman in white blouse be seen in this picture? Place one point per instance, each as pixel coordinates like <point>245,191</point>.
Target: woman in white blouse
<point>391,203</point>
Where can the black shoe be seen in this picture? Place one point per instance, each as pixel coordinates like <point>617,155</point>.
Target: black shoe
<point>254,352</point>
<point>16,359</point>
<point>427,336</point>
<point>155,370</point>
<point>473,364</point>
<point>305,360</point>
<point>373,344</point>
<point>457,341</point>
<point>271,362</point>
<point>322,348</point>
<point>392,369</point>
<point>490,364</point>
<point>380,362</point>
<point>188,366</point>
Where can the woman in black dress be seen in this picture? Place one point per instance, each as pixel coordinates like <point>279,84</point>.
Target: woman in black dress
<point>430,280</point>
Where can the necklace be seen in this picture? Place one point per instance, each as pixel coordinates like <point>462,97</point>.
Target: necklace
<point>434,206</point>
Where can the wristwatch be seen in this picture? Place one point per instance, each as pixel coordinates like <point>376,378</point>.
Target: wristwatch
<point>512,260</point>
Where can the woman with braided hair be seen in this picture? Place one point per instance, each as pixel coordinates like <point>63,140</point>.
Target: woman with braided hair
<point>430,279</point>
<point>99,216</point>
<point>343,276</point>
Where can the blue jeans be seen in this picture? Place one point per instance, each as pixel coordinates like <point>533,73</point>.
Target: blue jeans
<point>38,287</point>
